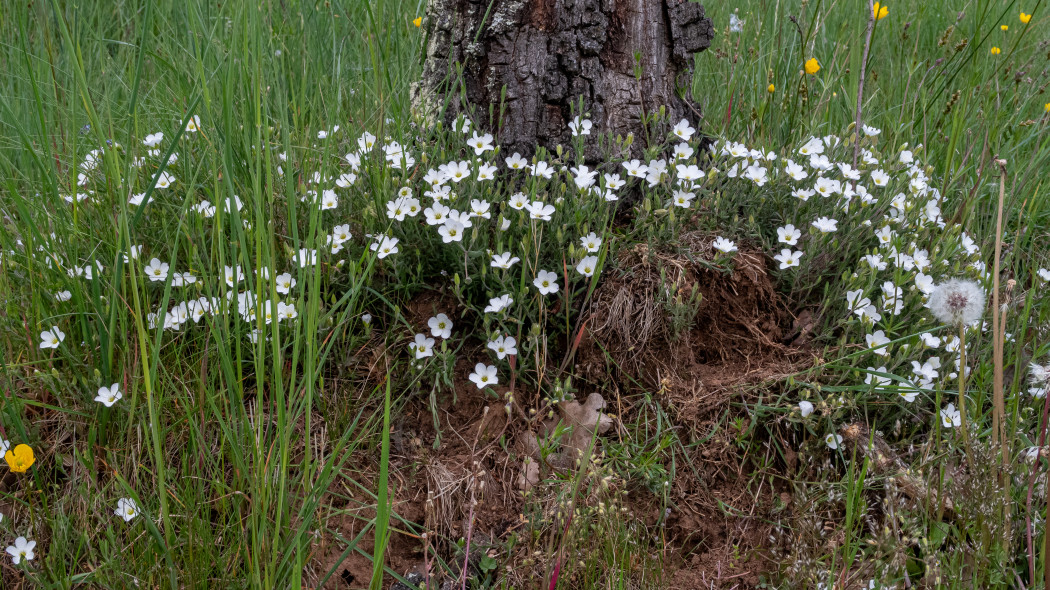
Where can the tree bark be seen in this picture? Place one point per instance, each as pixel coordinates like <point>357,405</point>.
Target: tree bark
<point>620,57</point>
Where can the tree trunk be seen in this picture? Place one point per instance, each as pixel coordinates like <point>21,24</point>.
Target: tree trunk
<point>620,57</point>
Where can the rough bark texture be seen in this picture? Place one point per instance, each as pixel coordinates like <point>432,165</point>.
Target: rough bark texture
<point>549,54</point>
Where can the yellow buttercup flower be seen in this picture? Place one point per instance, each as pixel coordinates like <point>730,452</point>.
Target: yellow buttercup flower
<point>1004,27</point>
<point>1025,18</point>
<point>1047,107</point>
<point>812,66</point>
<point>880,12</point>
<point>771,89</point>
<point>20,458</point>
<point>418,21</point>
<point>996,51</point>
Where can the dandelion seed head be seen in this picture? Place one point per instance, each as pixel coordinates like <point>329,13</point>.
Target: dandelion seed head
<point>957,302</point>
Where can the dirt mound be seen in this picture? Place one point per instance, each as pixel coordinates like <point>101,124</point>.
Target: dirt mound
<point>686,324</point>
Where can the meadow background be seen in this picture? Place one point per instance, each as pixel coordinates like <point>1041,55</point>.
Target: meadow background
<point>247,456</point>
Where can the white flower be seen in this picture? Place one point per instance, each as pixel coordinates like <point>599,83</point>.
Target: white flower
<point>5,445</point>
<point>504,260</point>
<point>929,340</point>
<point>580,127</point>
<point>833,440</point>
<point>329,200</point>
<point>385,246</point>
<point>546,282</point>
<point>682,199</point>
<point>635,168</point>
<point>723,245</point>
<point>503,346</point>
<point>683,151</point>
<point>153,139</point>
<point>126,509</point>
<point>481,144</point>
<point>498,304</point>
<point>950,417</point>
<point>870,131</point>
<point>870,378</point>
<point>233,275</point>
<point>688,173</point>
<point>542,169</point>
<point>22,549</point>
<point>456,171</point>
<point>422,347</point>
<point>957,302</point>
<point>286,311</point>
<point>108,396</point>
<point>156,270</point>
<point>878,341</point>
<point>805,408</point>
<point>181,279</point>
<point>757,174</point>
<point>136,199</point>
<point>825,225</point>
<point>879,177</point>
<point>63,296</point>
<point>484,375</point>
<point>516,162</point>
<point>788,258</point>
<point>591,242</point>
<point>194,124</point>
<point>1044,274</point>
<point>541,211</point>
<point>788,234</point>
<point>436,214</point>
<point>306,257</point>
<point>451,231</point>
<point>586,266</point>
<point>795,171</point>
<point>440,326</point>
<point>52,338</point>
<point>683,130</point>
<point>165,180</point>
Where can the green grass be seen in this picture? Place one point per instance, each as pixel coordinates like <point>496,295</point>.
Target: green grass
<point>245,443</point>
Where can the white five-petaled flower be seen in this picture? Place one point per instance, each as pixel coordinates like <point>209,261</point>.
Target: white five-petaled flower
<point>440,326</point>
<point>422,347</point>
<point>546,281</point>
<point>52,338</point>
<point>805,408</point>
<point>22,549</point>
<point>108,396</point>
<point>788,258</point>
<point>587,266</point>
<point>825,225</point>
<point>580,126</point>
<point>878,342</point>
<point>503,346</point>
<point>156,270</point>
<point>504,260</point>
<point>950,417</point>
<point>683,130</point>
<point>788,234</point>
<point>517,162</point>
<point>385,246</point>
<point>591,242</point>
<point>481,144</point>
<point>126,509</point>
<point>498,304</point>
<point>165,180</point>
<point>724,245</point>
<point>484,375</point>
<point>833,441</point>
<point>153,139</point>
